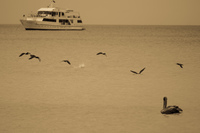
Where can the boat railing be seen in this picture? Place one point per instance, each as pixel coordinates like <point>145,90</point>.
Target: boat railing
<point>73,16</point>
<point>33,15</point>
<point>67,15</point>
<point>38,15</point>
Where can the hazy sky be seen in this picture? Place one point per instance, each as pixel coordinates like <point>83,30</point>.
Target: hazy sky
<point>131,12</point>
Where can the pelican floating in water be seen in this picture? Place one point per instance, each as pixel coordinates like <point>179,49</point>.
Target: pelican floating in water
<point>33,56</point>
<point>27,53</point>
<point>181,65</point>
<point>101,53</point>
<point>66,61</point>
<point>170,109</point>
<point>137,72</point>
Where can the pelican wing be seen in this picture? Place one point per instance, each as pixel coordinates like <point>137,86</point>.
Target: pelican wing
<point>21,54</point>
<point>38,58</point>
<point>171,110</point>
<point>68,62</point>
<point>33,56</point>
<point>181,65</point>
<point>176,107</point>
<point>141,70</point>
<point>99,53</point>
<point>133,72</point>
<point>30,58</point>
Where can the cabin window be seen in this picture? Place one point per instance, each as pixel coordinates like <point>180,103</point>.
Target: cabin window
<point>64,21</point>
<point>47,13</point>
<point>71,21</point>
<point>54,13</point>
<point>70,16</point>
<point>61,14</point>
<point>49,20</point>
<point>79,21</point>
<point>44,13</point>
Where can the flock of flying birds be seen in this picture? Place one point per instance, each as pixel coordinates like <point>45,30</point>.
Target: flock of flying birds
<point>166,109</point>
<point>36,57</point>
<point>179,64</point>
<point>99,53</point>
<point>31,56</point>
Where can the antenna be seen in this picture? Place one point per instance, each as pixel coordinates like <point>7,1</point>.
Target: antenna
<point>52,3</point>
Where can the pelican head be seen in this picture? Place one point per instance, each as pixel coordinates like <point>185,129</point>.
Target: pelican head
<point>164,102</point>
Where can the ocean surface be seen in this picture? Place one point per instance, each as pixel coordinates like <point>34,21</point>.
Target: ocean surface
<point>97,93</point>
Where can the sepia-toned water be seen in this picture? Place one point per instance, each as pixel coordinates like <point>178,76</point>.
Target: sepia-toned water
<point>97,93</point>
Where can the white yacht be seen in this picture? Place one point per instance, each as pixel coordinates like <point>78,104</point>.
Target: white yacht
<point>53,18</point>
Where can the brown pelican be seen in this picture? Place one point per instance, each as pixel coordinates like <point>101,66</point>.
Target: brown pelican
<point>66,61</point>
<point>27,53</point>
<point>101,53</point>
<point>33,56</point>
<point>170,109</point>
<point>137,72</point>
<point>181,65</point>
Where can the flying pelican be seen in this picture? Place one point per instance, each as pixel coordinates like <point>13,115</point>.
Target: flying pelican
<point>170,109</point>
<point>27,53</point>
<point>101,53</point>
<point>181,65</point>
<point>66,61</point>
<point>33,56</point>
<point>137,72</point>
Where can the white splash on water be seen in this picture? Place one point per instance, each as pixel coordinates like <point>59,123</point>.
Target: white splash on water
<point>82,65</point>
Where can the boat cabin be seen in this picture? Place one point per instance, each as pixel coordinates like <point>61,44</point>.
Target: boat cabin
<point>64,17</point>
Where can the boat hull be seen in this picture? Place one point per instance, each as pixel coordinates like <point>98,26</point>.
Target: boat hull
<point>39,25</point>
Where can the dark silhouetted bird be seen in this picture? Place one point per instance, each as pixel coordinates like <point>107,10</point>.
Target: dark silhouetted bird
<point>137,72</point>
<point>66,61</point>
<point>33,56</point>
<point>27,53</point>
<point>101,53</point>
<point>170,109</point>
<point>181,65</point>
